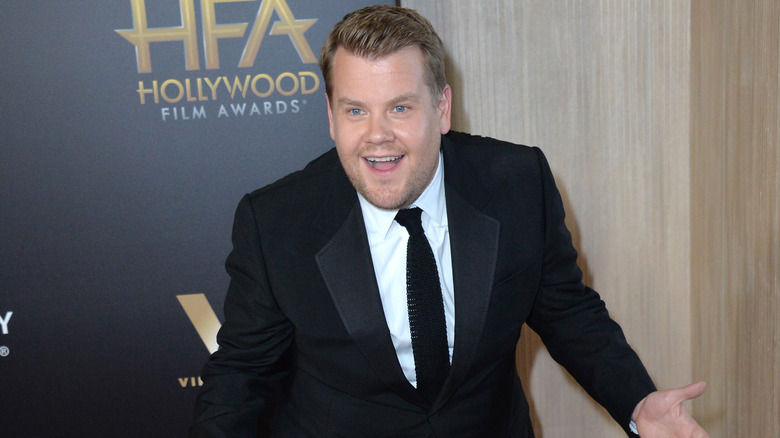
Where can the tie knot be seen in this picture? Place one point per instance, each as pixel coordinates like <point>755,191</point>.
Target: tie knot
<point>410,218</point>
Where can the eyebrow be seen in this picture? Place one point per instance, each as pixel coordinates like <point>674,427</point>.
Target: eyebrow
<point>413,97</point>
<point>409,97</point>
<point>348,102</point>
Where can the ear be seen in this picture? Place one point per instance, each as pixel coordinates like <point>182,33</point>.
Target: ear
<point>445,109</point>
<point>330,118</point>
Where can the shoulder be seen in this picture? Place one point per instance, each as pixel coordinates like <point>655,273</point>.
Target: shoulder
<point>490,160</point>
<point>295,201</point>
<point>304,186</point>
<point>483,146</point>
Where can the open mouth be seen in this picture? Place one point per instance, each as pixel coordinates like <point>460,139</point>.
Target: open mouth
<point>383,163</point>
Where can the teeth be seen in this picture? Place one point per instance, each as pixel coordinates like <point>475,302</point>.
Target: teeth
<point>375,160</point>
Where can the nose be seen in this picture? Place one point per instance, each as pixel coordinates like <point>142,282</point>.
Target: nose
<point>379,129</point>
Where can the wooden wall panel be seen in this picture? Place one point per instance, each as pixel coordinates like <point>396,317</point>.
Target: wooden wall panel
<point>603,88</point>
<point>661,121</point>
<point>735,151</point>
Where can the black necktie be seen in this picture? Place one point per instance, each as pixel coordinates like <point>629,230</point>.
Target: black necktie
<point>426,308</point>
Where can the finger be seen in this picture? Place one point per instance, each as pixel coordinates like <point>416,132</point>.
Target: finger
<point>691,391</point>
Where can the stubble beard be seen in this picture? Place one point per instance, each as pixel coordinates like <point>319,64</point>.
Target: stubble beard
<point>384,194</point>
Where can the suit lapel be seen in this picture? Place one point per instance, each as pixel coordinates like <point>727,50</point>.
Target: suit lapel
<point>474,248</point>
<point>346,266</point>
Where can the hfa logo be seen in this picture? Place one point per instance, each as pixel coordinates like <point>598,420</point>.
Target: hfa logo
<point>203,318</point>
<point>141,35</point>
<point>255,94</point>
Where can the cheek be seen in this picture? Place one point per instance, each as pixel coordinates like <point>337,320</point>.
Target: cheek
<point>413,132</point>
<point>347,146</point>
<point>343,137</point>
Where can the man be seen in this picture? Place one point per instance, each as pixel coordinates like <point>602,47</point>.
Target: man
<point>329,330</point>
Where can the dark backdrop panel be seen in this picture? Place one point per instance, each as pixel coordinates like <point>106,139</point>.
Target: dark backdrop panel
<point>110,207</point>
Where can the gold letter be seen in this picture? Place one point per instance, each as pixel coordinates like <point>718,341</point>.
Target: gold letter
<point>237,86</point>
<point>202,316</point>
<point>213,86</point>
<point>190,97</point>
<point>165,95</point>
<point>140,35</point>
<point>143,91</point>
<point>288,25</point>
<point>314,88</point>
<point>213,32</point>
<point>279,83</point>
<point>270,85</point>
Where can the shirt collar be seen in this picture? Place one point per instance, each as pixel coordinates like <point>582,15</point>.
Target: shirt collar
<point>378,220</point>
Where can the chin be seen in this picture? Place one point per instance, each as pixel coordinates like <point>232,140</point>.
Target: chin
<point>386,201</point>
<point>384,204</point>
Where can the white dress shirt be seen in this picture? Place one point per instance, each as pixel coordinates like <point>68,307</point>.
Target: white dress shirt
<point>387,240</point>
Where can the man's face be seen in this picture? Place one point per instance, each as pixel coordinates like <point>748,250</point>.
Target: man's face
<point>386,124</point>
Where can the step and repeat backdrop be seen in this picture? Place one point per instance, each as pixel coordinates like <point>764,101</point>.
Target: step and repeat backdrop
<point>129,130</point>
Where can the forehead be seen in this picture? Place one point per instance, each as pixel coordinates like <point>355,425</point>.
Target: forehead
<point>402,71</point>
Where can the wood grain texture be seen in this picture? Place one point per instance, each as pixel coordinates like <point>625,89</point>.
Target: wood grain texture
<point>661,121</point>
<point>603,88</point>
<point>735,149</point>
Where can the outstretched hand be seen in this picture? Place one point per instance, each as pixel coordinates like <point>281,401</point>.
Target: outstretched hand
<point>661,414</point>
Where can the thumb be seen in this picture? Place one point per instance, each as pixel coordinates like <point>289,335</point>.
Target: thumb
<point>691,391</point>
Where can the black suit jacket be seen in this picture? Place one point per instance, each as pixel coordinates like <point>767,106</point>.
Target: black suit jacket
<point>305,344</point>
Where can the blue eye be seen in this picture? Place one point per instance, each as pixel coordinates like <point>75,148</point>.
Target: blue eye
<point>400,108</point>
<point>355,112</point>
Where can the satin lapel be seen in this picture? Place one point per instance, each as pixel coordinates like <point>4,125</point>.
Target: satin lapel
<point>474,248</point>
<point>346,266</point>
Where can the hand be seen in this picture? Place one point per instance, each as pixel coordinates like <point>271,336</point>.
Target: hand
<point>662,415</point>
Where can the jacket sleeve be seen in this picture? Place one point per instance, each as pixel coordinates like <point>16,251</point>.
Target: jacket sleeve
<point>243,378</point>
<point>574,324</point>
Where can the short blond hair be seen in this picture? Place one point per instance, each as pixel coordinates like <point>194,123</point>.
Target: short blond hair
<point>378,31</point>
